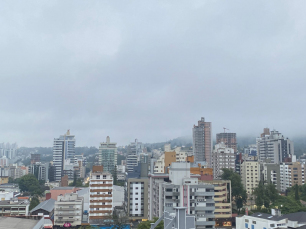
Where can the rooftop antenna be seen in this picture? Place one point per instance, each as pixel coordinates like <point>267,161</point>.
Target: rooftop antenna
<point>225,129</point>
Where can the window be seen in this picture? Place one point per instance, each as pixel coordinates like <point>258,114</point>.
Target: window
<point>104,176</point>
<point>272,225</point>
<point>254,222</point>
<point>253,227</point>
<point>136,198</point>
<point>246,225</point>
<point>98,177</point>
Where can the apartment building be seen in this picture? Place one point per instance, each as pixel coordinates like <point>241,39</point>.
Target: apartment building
<point>271,174</point>
<point>176,155</point>
<point>202,141</point>
<point>284,175</point>
<point>274,148</point>
<point>223,204</point>
<point>39,170</point>
<point>291,173</point>
<point>14,207</point>
<point>63,156</point>
<point>132,156</point>
<point>250,174</point>
<point>229,139</point>
<point>222,157</point>
<point>137,198</point>
<point>108,155</point>
<point>180,189</point>
<point>100,195</point>
<point>155,202</point>
<point>68,209</point>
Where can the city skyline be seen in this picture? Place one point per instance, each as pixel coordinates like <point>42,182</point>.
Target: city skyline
<point>109,69</point>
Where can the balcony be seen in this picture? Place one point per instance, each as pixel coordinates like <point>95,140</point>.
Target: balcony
<point>67,214</point>
<point>205,223</point>
<point>204,208</point>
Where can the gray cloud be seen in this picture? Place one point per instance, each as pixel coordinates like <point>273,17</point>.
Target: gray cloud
<point>149,70</point>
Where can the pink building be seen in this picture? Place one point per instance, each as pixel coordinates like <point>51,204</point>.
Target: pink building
<point>55,192</point>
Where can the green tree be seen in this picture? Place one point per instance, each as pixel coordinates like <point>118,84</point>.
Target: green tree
<point>147,224</point>
<point>115,178</point>
<point>34,202</point>
<point>265,195</point>
<point>77,183</point>
<point>296,192</point>
<point>239,194</point>
<point>29,183</point>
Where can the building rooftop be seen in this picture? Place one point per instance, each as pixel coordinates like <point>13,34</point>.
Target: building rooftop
<point>47,205</point>
<point>267,216</point>
<point>12,223</point>
<point>17,202</point>
<point>63,188</point>
<point>297,216</point>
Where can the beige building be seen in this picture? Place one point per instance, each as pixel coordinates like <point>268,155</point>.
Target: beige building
<point>169,156</point>
<point>68,209</point>
<point>101,195</point>
<point>250,175</point>
<point>222,157</point>
<point>222,197</point>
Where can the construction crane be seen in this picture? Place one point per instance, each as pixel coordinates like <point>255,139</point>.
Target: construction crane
<point>225,129</point>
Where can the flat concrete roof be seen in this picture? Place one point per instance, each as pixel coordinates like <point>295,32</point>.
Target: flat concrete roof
<point>16,223</point>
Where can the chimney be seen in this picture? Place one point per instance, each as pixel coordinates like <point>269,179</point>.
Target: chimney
<point>48,195</point>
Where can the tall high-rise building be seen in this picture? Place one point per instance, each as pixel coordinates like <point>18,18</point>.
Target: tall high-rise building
<point>202,141</point>
<point>108,155</point>
<point>132,158</point>
<point>229,139</point>
<point>8,150</point>
<point>274,148</point>
<point>63,154</point>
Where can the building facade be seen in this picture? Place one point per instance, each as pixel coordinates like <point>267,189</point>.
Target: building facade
<point>250,175</point>
<point>223,203</point>
<point>222,158</point>
<point>229,139</point>
<point>100,195</point>
<point>63,155</point>
<point>68,209</point>
<point>14,207</point>
<point>132,156</point>
<point>108,155</point>
<point>137,198</point>
<point>39,170</point>
<point>274,148</point>
<point>180,189</point>
<point>202,141</point>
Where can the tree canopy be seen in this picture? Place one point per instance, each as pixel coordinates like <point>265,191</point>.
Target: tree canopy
<point>29,183</point>
<point>34,203</point>
<point>239,194</point>
<point>147,224</point>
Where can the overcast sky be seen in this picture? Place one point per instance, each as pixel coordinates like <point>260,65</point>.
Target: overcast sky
<point>150,69</point>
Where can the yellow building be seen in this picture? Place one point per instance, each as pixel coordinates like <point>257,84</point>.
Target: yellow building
<point>4,180</point>
<point>250,175</point>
